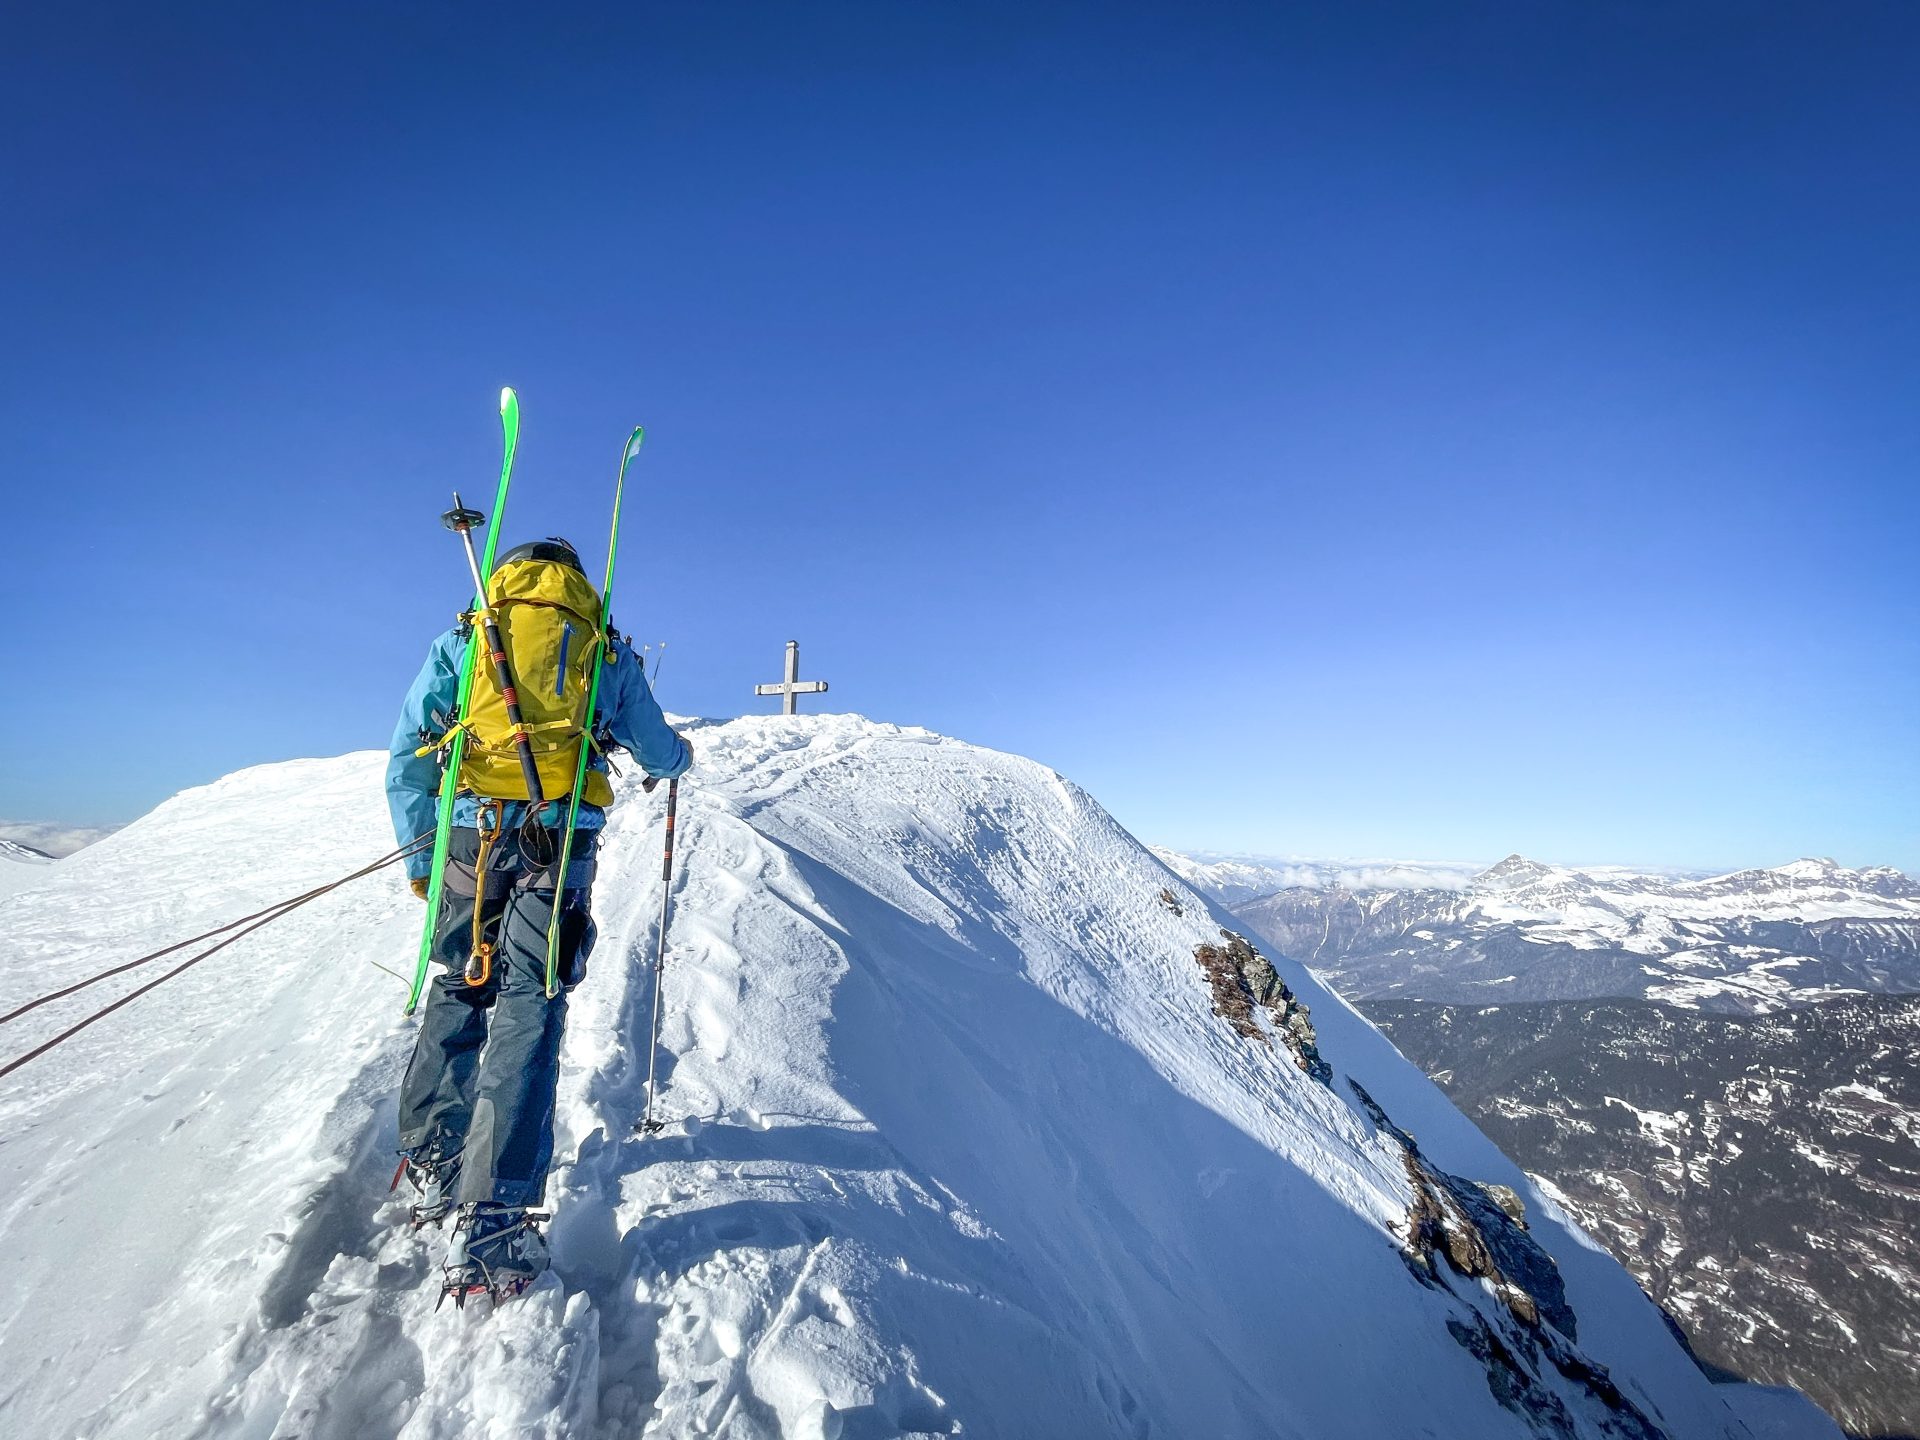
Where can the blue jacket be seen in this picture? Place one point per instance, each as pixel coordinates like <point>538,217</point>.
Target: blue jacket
<point>627,708</point>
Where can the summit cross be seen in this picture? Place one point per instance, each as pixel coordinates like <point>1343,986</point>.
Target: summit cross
<point>791,688</point>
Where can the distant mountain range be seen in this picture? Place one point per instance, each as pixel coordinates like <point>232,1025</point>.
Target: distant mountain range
<point>1743,943</point>
<point>1231,879</point>
<point>1718,1076</point>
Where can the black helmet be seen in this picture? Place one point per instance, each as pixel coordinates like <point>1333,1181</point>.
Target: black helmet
<point>552,548</point>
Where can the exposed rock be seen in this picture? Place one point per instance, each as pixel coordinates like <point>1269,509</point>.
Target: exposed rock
<point>1512,1384</point>
<point>1508,1199</point>
<point>1242,978</point>
<point>1520,1387</point>
<point>1232,1000</point>
<point>1479,1229</point>
<point>1480,1238</point>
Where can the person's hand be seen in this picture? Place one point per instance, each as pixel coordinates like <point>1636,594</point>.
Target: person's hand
<point>419,887</point>
<point>652,781</point>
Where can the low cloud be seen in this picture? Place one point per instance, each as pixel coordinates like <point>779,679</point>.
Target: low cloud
<point>55,840</point>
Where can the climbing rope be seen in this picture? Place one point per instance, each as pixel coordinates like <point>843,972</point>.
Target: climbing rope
<point>241,927</point>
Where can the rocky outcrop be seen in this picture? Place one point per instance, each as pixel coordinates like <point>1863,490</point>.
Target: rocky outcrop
<point>1480,1238</point>
<point>1244,981</point>
<point>1481,1232</point>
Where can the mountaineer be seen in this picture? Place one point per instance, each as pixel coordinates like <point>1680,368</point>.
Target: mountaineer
<point>476,1106</point>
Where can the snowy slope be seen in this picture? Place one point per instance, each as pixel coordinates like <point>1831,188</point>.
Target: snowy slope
<point>958,1146</point>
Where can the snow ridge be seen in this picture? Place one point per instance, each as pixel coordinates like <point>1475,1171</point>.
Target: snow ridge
<point>956,1145</point>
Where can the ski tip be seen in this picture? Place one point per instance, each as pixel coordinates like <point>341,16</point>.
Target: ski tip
<point>508,400</point>
<point>633,440</point>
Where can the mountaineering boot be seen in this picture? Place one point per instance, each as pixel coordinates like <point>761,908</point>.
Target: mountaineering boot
<point>497,1251</point>
<point>432,1180</point>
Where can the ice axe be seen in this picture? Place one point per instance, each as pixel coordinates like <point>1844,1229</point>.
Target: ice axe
<point>461,520</point>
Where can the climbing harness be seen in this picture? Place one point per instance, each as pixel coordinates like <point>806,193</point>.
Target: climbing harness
<point>538,844</point>
<point>537,849</point>
<point>480,960</point>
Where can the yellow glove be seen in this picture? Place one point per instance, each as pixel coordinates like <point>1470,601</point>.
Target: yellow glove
<point>419,888</point>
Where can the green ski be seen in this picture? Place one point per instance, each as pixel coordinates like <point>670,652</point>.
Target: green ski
<point>450,776</point>
<point>586,734</point>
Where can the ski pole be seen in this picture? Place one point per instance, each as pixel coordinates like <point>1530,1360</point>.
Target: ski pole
<point>649,1125</point>
<point>461,521</point>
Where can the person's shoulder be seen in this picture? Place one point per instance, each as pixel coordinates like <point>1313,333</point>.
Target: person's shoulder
<point>620,653</point>
<point>449,643</point>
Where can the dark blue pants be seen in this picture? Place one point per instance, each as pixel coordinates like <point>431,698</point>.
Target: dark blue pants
<point>481,1083</point>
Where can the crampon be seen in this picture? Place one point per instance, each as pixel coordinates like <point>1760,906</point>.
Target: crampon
<point>497,1251</point>
<point>460,1292</point>
<point>432,1185</point>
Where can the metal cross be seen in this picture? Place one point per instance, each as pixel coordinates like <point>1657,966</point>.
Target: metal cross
<point>793,686</point>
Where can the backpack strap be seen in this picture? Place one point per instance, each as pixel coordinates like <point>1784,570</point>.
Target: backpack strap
<point>544,736</point>
<point>447,739</point>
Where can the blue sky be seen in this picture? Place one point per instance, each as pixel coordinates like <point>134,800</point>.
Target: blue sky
<point>1428,430</point>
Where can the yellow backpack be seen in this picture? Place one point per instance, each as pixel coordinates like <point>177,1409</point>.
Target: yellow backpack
<point>549,618</point>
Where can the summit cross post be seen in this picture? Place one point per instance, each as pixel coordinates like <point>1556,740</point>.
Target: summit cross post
<point>791,688</point>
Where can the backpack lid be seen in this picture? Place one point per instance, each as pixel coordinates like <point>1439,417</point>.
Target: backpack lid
<point>553,548</point>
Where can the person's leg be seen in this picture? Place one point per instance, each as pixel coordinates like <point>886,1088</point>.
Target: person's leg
<point>510,1139</point>
<point>436,1097</point>
<point>437,1094</point>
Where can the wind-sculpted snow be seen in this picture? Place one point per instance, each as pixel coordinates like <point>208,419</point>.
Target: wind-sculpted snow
<point>956,1145</point>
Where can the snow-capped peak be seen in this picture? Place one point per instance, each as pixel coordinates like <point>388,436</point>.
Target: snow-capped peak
<point>1809,868</point>
<point>1514,871</point>
<point>23,854</point>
